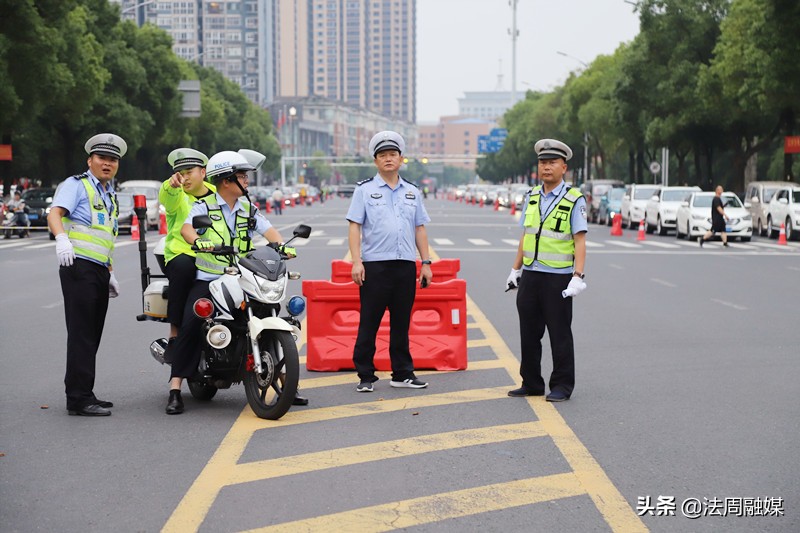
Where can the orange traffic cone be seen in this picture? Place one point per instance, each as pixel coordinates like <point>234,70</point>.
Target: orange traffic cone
<point>481,201</point>
<point>513,208</point>
<point>162,224</point>
<point>640,237</point>
<point>135,228</point>
<point>782,235</point>
<point>496,204</point>
<point>616,226</point>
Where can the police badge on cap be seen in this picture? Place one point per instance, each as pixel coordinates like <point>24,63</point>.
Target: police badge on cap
<point>552,149</point>
<point>386,140</point>
<point>106,144</point>
<point>183,158</point>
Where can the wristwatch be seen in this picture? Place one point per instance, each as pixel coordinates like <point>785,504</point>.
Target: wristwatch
<point>578,274</point>
<point>426,262</point>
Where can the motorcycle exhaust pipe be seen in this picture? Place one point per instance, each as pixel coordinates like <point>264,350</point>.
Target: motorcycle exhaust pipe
<point>157,349</point>
<point>218,337</point>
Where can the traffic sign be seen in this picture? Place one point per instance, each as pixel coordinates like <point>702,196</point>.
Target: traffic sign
<point>655,167</point>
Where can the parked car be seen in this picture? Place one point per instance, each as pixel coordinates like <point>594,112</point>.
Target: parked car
<point>634,202</point>
<point>694,216</point>
<point>784,208</point>
<point>610,205</point>
<point>593,191</point>
<point>345,190</point>
<point>125,201</point>
<point>38,202</point>
<point>149,188</point>
<point>661,210</point>
<point>757,198</point>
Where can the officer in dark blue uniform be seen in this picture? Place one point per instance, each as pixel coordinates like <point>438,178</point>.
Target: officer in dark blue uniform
<point>387,227</point>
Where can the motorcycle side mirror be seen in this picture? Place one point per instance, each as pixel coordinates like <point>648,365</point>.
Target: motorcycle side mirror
<point>201,221</point>
<point>301,231</point>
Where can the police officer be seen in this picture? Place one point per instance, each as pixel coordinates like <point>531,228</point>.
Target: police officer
<point>387,222</point>
<point>548,270</point>
<point>235,222</point>
<point>177,194</point>
<point>83,218</point>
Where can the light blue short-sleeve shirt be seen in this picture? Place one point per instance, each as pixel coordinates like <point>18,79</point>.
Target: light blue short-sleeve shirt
<point>577,220</point>
<point>389,219</point>
<point>200,208</point>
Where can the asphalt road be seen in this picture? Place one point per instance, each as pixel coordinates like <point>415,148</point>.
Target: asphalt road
<point>686,368</point>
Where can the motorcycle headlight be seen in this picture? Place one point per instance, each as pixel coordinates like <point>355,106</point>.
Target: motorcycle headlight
<point>296,305</point>
<point>273,290</point>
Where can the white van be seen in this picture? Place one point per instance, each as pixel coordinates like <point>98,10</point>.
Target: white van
<point>149,188</point>
<point>757,198</point>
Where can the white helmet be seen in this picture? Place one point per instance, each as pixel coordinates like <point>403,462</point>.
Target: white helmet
<point>225,164</point>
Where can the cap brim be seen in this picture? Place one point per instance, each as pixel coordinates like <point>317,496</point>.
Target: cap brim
<point>108,153</point>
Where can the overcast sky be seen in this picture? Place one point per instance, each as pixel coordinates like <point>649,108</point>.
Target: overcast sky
<point>461,43</point>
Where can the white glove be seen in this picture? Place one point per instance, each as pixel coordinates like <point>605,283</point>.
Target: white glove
<point>575,287</point>
<point>64,251</point>
<point>513,279</point>
<point>113,286</point>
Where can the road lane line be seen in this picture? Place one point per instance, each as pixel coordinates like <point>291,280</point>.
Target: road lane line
<point>663,282</point>
<point>730,304</point>
<point>479,242</point>
<point>512,242</point>
<point>377,451</point>
<point>660,244</point>
<point>440,507</point>
<point>335,242</point>
<point>443,242</point>
<point>624,244</point>
<point>609,501</point>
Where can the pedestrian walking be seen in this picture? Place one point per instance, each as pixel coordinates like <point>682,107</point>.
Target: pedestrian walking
<point>718,219</point>
<point>548,273</point>
<point>83,218</point>
<point>277,200</point>
<point>387,227</point>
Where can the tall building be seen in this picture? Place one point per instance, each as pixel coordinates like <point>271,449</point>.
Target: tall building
<point>490,105</point>
<point>357,52</point>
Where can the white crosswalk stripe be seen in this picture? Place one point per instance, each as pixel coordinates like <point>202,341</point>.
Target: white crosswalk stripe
<point>443,242</point>
<point>335,242</point>
<point>624,244</point>
<point>592,244</point>
<point>479,242</point>
<point>512,242</point>
<point>660,244</point>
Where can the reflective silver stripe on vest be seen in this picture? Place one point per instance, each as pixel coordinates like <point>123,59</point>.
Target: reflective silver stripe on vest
<point>101,235</point>
<point>548,233</point>
<point>200,262</point>
<point>573,195</point>
<point>548,257</point>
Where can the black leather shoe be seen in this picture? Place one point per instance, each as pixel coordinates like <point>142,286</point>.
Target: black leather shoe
<point>104,404</point>
<point>299,400</point>
<point>175,404</point>
<point>90,410</point>
<point>524,391</point>
<point>557,396</point>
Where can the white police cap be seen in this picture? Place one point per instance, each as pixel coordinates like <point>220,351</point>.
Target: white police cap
<point>106,144</point>
<point>182,158</point>
<point>552,149</point>
<point>386,140</point>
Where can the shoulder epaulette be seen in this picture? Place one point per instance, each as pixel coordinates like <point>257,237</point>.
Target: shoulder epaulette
<point>80,176</point>
<point>409,182</point>
<point>362,182</point>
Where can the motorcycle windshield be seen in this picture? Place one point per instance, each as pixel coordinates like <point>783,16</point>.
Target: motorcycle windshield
<point>265,262</point>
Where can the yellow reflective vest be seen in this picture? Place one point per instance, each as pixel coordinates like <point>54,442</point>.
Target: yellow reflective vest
<point>550,242</point>
<point>97,240</point>
<point>240,238</point>
<point>177,204</point>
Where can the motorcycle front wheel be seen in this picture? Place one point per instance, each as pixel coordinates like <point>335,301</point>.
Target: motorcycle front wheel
<point>269,396</point>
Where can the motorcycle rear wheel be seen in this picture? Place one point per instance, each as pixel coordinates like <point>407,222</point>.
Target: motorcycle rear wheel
<point>201,391</point>
<point>272,399</point>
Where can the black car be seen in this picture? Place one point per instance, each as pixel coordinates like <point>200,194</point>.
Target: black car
<point>38,201</point>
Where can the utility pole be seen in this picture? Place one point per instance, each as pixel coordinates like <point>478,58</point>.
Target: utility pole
<point>514,34</point>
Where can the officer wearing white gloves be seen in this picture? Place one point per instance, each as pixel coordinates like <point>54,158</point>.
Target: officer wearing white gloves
<point>83,217</point>
<point>548,273</point>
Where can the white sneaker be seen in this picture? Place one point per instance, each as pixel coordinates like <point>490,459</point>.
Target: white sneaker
<point>410,383</point>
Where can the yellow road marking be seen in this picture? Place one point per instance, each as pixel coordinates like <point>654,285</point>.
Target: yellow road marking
<point>430,509</point>
<point>587,477</point>
<point>392,449</point>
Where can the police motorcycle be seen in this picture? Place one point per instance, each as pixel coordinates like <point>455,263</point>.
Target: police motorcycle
<point>14,224</point>
<point>244,338</point>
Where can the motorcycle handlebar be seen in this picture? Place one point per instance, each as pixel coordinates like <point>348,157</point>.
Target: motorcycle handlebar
<point>217,250</point>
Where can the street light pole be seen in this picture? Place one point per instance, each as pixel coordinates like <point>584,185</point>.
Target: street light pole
<point>293,120</point>
<point>514,35</point>
<point>585,133</point>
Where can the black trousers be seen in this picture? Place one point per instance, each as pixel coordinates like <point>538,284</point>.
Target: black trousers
<point>540,305</point>
<point>388,285</point>
<point>84,286</point>
<point>180,272</point>
<point>186,352</point>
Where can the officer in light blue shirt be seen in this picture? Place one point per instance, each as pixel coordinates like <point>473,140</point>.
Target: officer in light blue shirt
<point>387,228</point>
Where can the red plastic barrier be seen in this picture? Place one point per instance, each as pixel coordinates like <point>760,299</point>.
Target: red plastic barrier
<point>442,270</point>
<point>437,333</point>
